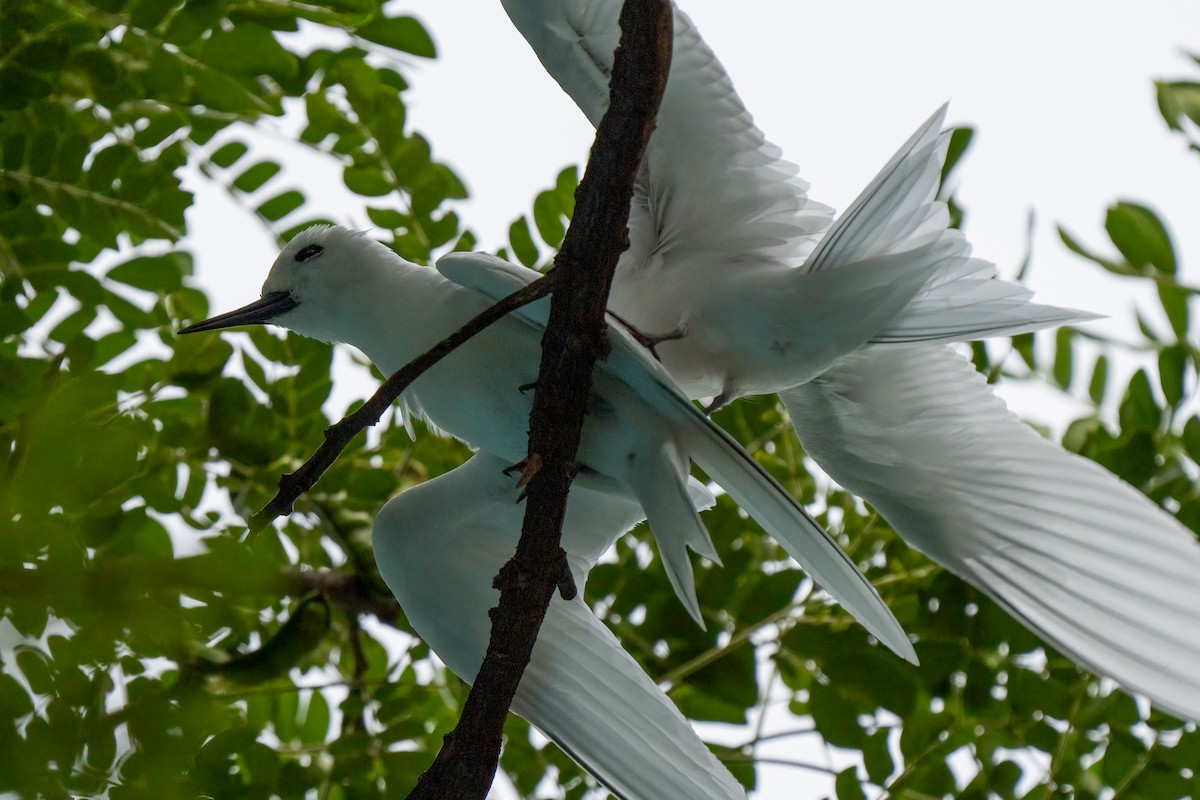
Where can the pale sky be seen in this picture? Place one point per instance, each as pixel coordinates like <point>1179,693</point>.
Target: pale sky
<point>1060,93</point>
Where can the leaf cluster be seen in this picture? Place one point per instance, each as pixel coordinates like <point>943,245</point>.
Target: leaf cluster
<point>147,652</point>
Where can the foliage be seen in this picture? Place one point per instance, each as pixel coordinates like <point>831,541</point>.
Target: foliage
<point>147,652</point>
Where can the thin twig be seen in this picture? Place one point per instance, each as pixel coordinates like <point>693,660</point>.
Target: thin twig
<point>337,436</point>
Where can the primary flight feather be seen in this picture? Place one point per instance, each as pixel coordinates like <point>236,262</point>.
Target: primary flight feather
<point>580,688</point>
<point>745,285</point>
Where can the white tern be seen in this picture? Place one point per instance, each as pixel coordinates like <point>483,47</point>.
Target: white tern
<point>337,285</point>
<point>732,257</point>
<point>580,688</point>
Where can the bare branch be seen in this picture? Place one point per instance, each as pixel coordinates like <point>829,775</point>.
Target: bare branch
<point>574,339</point>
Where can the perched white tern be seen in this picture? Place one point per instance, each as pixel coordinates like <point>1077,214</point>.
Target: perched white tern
<point>731,256</point>
<point>341,286</point>
<point>580,688</point>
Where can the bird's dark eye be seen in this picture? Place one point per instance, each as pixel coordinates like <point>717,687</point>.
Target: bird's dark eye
<point>309,252</point>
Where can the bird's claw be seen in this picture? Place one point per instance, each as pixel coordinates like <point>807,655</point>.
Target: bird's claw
<point>528,467</point>
<point>718,402</point>
<point>650,341</point>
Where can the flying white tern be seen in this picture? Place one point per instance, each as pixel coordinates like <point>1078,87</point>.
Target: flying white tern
<point>729,254</point>
<point>341,286</point>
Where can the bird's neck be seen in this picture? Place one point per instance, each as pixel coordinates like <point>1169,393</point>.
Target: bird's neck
<point>404,313</point>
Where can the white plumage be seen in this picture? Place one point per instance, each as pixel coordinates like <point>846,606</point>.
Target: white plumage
<point>581,688</point>
<point>729,250</point>
<point>340,286</point>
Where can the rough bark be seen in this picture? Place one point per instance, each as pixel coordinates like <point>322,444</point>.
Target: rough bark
<point>574,339</point>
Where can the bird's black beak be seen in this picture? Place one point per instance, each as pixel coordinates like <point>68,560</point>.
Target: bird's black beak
<point>260,311</point>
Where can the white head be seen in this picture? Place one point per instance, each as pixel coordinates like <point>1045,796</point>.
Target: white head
<point>312,284</point>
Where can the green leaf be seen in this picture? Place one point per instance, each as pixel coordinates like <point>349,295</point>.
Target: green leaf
<point>366,181</point>
<point>1178,100</point>
<point>154,273</point>
<point>1023,344</point>
<point>323,117</point>
<point>1146,328</point>
<point>75,430</point>
<point>548,218</point>
<point>160,127</point>
<point>73,325</point>
<point>315,726</point>
<point>522,243</point>
<point>848,786</point>
<point>113,344</point>
<point>222,93</point>
<point>1120,757</point>
<point>1141,237</point>
<point>834,717</point>
<point>1139,410</point>
<point>1064,342</point>
<point>1172,368</point>
<point>35,666</point>
<point>1191,438</point>
<point>281,205</point>
<point>400,33</point>
<point>387,218</point>
<point>147,14</point>
<point>1099,381</point>
<point>248,49</point>
<point>15,702</point>
<point>303,631</point>
<point>960,141</point>
<point>877,757</point>
<point>128,314</point>
<point>44,55</point>
<point>256,175</point>
<point>1076,247</point>
<point>1175,303</point>
<point>731,677</point>
<point>564,188</point>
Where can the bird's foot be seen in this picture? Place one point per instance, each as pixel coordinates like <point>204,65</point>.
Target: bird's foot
<point>528,467</point>
<point>527,387</point>
<point>718,402</point>
<point>651,341</point>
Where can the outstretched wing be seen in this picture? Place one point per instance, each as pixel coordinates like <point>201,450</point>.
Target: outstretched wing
<point>1078,555</point>
<point>710,183</point>
<point>439,545</point>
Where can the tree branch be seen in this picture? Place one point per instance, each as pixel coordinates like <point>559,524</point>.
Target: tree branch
<point>337,436</point>
<point>574,339</point>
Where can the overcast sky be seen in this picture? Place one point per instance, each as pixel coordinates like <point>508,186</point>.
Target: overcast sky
<point>1061,95</point>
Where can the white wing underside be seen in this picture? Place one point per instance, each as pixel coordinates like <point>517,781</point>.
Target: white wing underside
<point>714,193</point>
<point>710,181</point>
<point>1082,558</point>
<point>439,545</point>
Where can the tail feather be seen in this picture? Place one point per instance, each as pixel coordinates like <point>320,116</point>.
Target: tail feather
<point>898,217</point>
<point>897,207</point>
<point>676,525</point>
<point>800,535</point>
